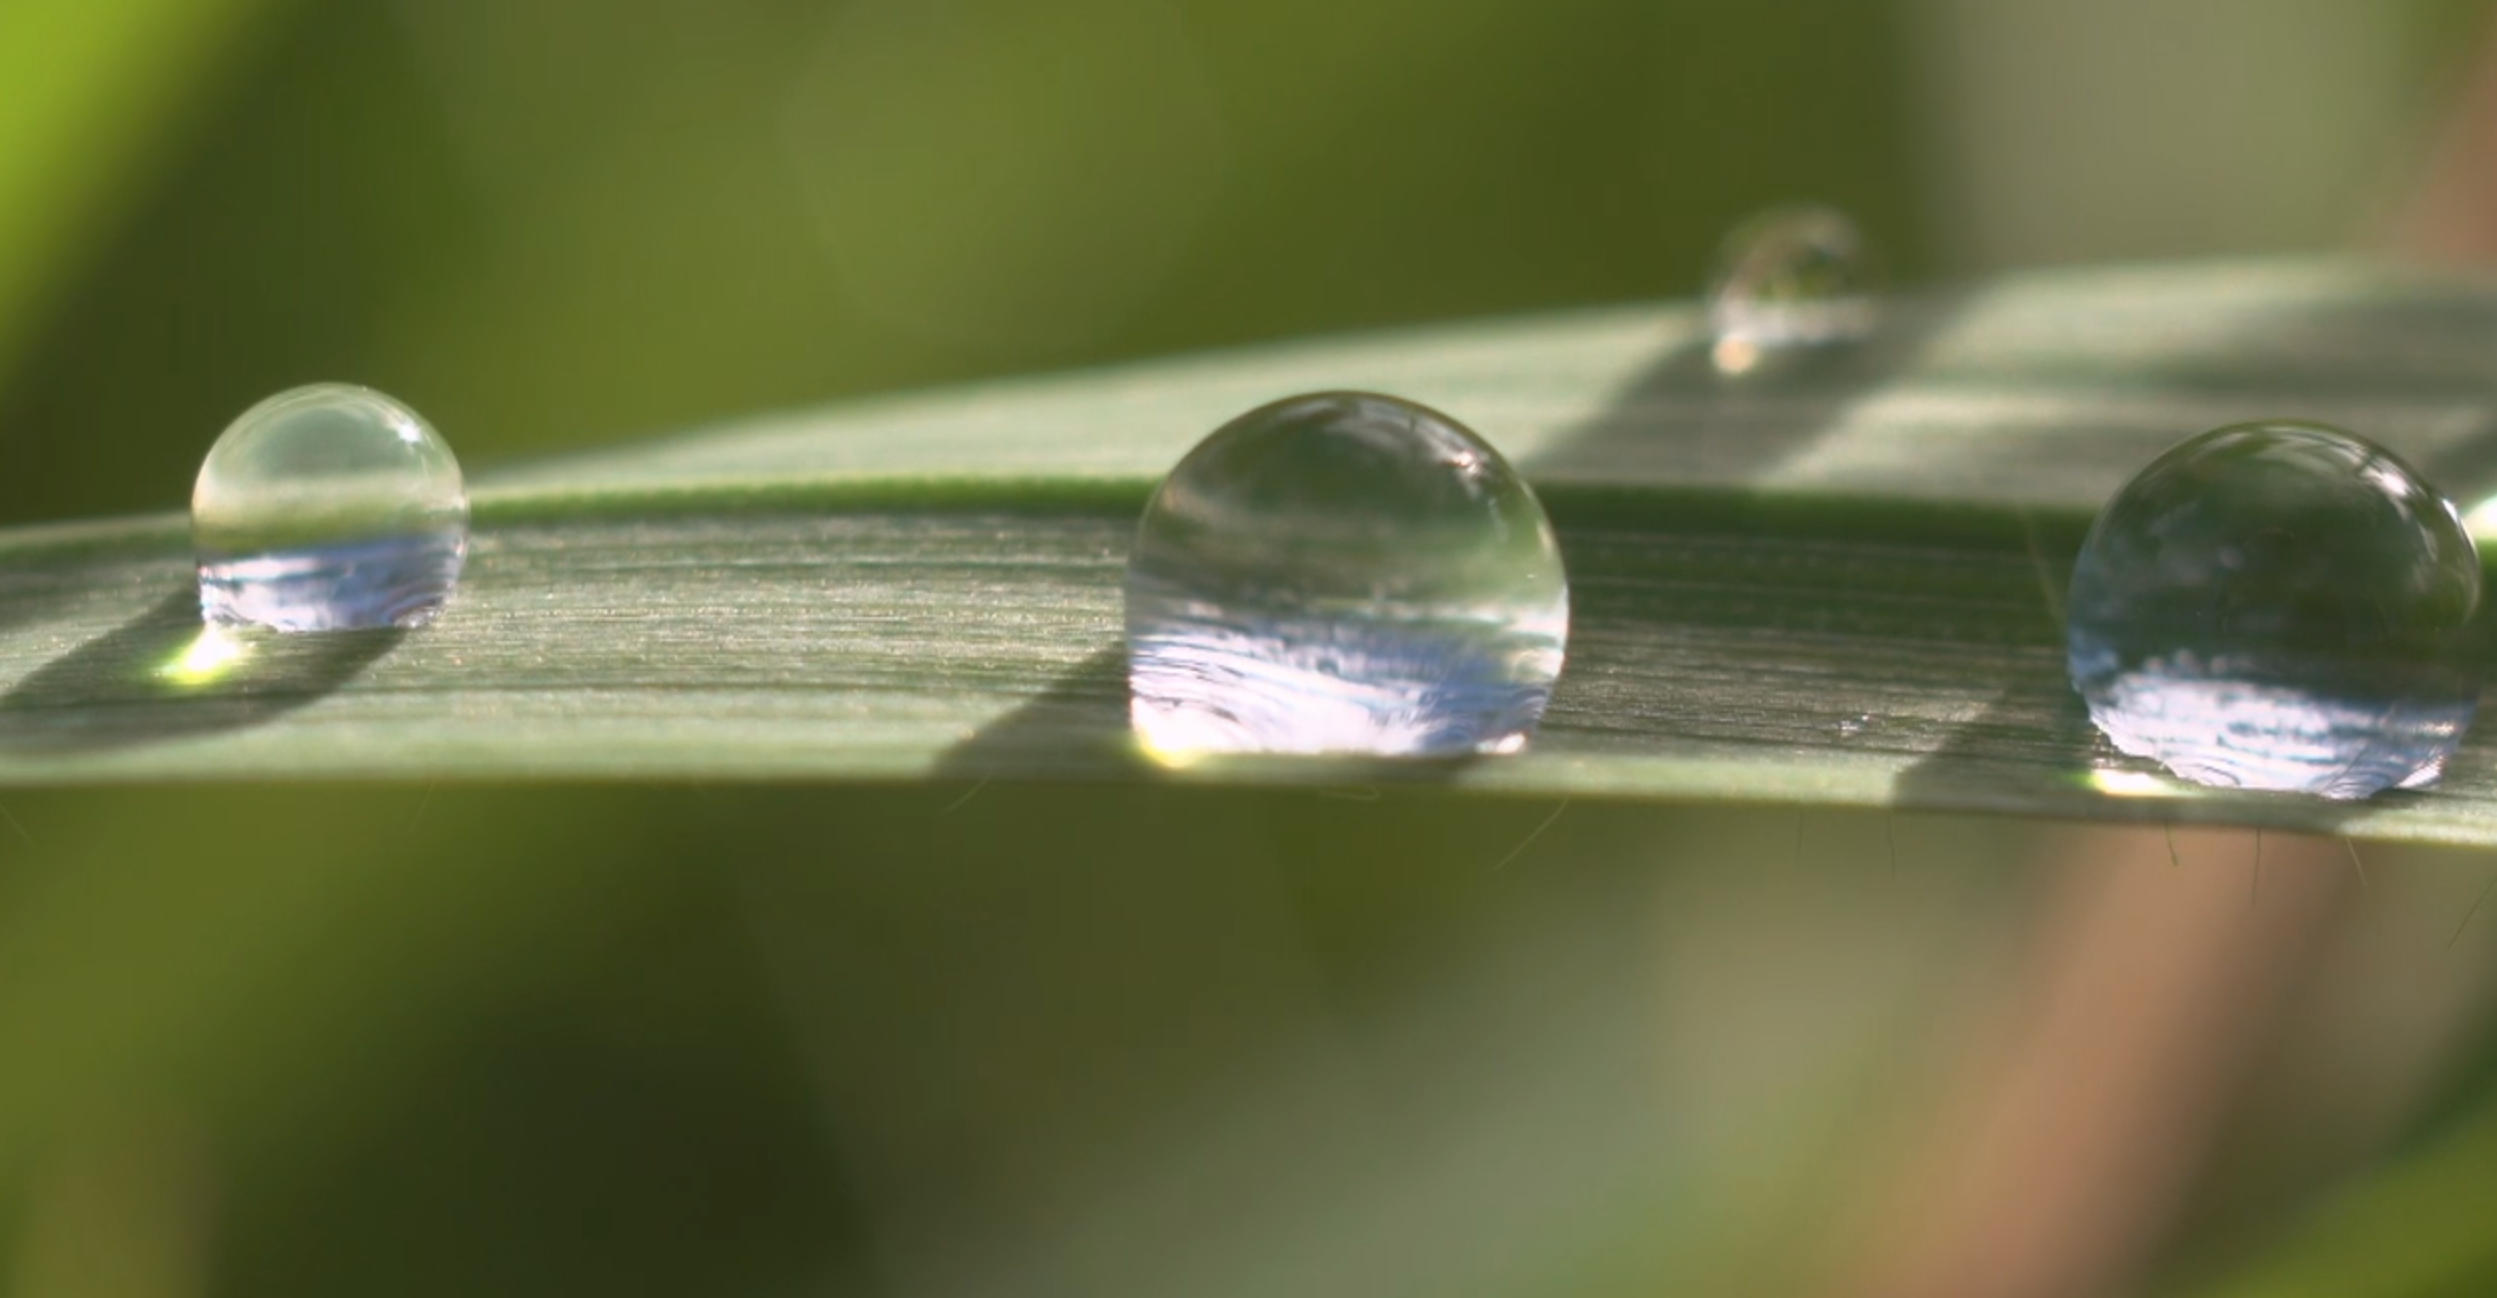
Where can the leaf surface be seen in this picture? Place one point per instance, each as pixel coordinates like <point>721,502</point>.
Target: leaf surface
<point>1833,579</point>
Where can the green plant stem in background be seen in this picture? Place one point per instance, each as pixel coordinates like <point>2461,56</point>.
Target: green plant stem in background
<point>2416,1227</point>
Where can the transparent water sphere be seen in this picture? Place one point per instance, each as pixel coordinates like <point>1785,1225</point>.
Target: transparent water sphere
<point>328,508</point>
<point>2279,606</point>
<point>1790,277</point>
<point>1343,573</point>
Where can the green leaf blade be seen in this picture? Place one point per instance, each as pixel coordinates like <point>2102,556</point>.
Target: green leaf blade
<point>1832,584</point>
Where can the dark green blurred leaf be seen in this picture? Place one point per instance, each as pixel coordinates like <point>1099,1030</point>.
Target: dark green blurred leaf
<point>90,89</point>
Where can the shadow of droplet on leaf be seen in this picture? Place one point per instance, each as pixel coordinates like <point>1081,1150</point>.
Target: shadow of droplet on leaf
<point>164,675</point>
<point>2035,746</point>
<point>2034,737</point>
<point>1686,409</point>
<point>1079,722</point>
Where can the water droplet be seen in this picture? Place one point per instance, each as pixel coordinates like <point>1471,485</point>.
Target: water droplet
<point>1790,277</point>
<point>1850,727</point>
<point>2279,606</point>
<point>328,508</point>
<point>1343,573</point>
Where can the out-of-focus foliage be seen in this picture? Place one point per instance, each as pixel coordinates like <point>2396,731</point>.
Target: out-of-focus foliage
<point>92,95</point>
<point>545,224</point>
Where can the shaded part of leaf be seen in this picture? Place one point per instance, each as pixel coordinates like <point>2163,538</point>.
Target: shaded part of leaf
<point>2033,739</point>
<point>1684,409</point>
<point>147,680</point>
<point>1076,726</point>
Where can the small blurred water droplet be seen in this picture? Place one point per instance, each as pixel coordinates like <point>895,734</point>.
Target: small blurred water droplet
<point>1850,727</point>
<point>1343,573</point>
<point>2279,606</point>
<point>328,508</point>
<point>1790,277</point>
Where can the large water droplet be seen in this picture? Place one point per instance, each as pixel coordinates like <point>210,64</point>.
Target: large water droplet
<point>1343,573</point>
<point>328,508</point>
<point>1790,277</point>
<point>2279,606</point>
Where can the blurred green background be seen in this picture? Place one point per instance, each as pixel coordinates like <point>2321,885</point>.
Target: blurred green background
<point>974,1041</point>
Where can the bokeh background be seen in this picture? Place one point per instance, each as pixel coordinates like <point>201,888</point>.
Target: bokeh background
<point>957,1040</point>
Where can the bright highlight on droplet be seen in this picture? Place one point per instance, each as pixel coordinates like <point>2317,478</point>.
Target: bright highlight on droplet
<point>1343,573</point>
<point>1735,355</point>
<point>328,508</point>
<point>1791,277</point>
<point>2279,606</point>
<point>207,658</point>
<point>2482,518</point>
<point>2132,784</point>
